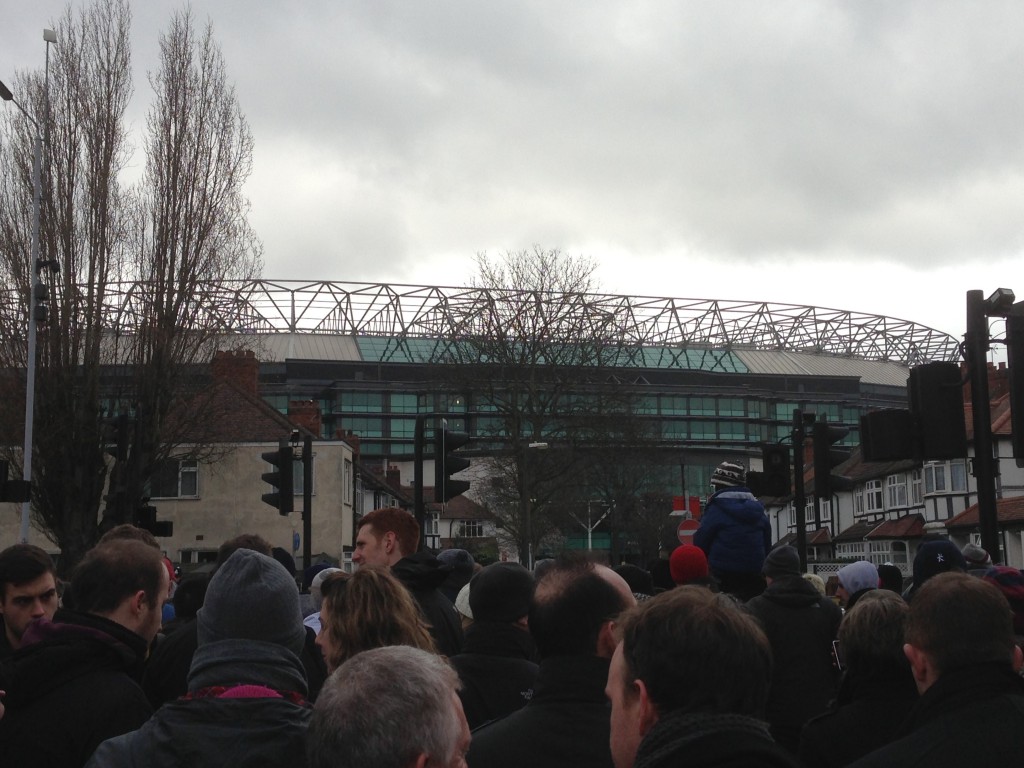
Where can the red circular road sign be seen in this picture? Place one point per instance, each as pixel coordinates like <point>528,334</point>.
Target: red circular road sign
<point>685,531</point>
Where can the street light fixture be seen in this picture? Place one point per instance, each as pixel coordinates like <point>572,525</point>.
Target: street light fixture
<point>38,287</point>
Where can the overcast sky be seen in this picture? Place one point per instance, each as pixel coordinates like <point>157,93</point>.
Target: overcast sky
<point>864,155</point>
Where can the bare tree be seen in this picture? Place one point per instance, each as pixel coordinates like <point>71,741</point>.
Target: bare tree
<point>535,351</point>
<point>128,317</point>
<point>190,232</point>
<point>83,231</point>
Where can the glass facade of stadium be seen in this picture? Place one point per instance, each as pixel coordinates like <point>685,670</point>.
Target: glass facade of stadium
<point>713,378</point>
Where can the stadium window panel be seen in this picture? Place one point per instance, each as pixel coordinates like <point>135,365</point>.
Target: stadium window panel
<point>674,430</point>
<point>673,405</point>
<point>784,411</point>
<point>364,427</point>
<point>361,402</point>
<point>732,430</point>
<point>490,426</point>
<point>703,430</point>
<point>647,405</point>
<point>731,406</point>
<point>404,402</point>
<point>702,406</point>
<point>403,428</point>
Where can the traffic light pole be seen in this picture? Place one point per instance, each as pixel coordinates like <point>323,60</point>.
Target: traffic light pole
<point>799,499</point>
<point>976,344</point>
<point>307,501</point>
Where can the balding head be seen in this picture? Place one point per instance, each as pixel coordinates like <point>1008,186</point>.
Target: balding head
<point>573,607</point>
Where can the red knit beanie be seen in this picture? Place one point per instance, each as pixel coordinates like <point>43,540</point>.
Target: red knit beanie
<point>688,563</point>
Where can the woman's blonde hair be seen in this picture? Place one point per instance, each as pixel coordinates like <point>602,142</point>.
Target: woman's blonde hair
<point>371,609</point>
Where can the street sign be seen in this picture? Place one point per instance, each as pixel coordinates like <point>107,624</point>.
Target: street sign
<point>685,530</point>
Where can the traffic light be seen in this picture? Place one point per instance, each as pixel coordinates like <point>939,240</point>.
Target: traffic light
<point>936,392</point>
<point>145,518</point>
<point>446,464</point>
<point>1015,359</point>
<point>776,478</point>
<point>888,435</point>
<point>827,456</point>
<point>282,479</point>
<point>13,490</point>
<point>42,308</point>
<point>115,433</point>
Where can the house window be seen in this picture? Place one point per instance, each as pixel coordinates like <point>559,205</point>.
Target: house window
<point>471,529</point>
<point>346,480</point>
<point>945,476</point>
<point>916,487</point>
<point>873,496</point>
<point>175,479</point>
<point>896,491</point>
<point>958,475</point>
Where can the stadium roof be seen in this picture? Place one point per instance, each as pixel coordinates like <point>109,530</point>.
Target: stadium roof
<point>666,331</point>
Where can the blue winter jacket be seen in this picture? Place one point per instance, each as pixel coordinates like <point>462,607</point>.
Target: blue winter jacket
<point>734,532</point>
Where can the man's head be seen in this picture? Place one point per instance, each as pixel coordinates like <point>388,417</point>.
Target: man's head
<point>252,597</point>
<point>385,536</point>
<point>871,635</point>
<point>934,557</point>
<point>28,589</point>
<point>394,706</point>
<point>854,578</point>
<point>501,593</point>
<point>125,581</point>
<point>781,562</point>
<point>127,531</point>
<point>957,620</point>
<point>670,658</point>
<point>575,604</point>
<point>252,541</point>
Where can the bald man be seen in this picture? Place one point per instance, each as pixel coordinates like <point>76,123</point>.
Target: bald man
<point>572,619</point>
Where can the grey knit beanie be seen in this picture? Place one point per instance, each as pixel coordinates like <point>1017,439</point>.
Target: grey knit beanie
<point>857,576</point>
<point>782,561</point>
<point>252,597</point>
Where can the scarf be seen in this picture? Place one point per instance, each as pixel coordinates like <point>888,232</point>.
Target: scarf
<point>676,730</point>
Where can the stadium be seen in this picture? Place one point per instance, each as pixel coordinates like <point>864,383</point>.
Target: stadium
<point>710,376</point>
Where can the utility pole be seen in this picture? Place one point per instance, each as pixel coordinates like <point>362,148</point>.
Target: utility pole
<point>799,499</point>
<point>976,346</point>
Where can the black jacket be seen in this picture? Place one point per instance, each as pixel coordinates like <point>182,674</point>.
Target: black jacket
<point>800,624</point>
<point>71,686</point>
<point>867,714</point>
<point>422,574</point>
<point>970,716</point>
<point>496,670</point>
<point>705,740</point>
<point>244,707</point>
<point>566,723</point>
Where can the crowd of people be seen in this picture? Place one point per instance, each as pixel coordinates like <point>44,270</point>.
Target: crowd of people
<point>723,654</point>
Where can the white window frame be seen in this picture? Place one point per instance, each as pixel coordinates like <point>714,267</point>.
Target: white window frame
<point>873,496</point>
<point>896,491</point>
<point>185,467</point>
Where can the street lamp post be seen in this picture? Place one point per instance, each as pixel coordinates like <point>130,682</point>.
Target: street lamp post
<point>38,287</point>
